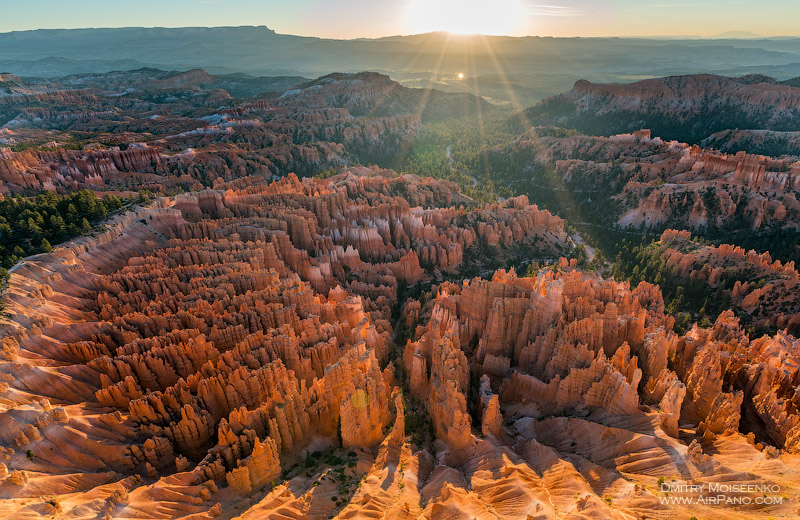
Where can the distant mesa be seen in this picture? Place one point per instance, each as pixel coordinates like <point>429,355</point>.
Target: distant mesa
<point>523,71</point>
<point>736,35</point>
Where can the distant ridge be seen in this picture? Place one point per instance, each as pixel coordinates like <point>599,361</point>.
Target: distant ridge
<point>518,70</point>
<point>685,108</point>
<point>736,35</point>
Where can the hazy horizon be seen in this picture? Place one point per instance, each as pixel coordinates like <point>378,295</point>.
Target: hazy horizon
<point>355,19</point>
<point>727,35</point>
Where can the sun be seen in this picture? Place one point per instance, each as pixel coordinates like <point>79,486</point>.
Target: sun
<point>495,17</point>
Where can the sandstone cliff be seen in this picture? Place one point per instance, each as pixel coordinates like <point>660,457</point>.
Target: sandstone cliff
<point>636,180</point>
<point>687,108</point>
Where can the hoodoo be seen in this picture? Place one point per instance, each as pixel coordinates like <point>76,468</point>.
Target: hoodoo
<point>238,350</point>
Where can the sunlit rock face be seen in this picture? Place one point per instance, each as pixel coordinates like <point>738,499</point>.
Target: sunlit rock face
<point>205,344</point>
<point>639,180</point>
<point>296,350</point>
<point>761,290</point>
<point>593,386</point>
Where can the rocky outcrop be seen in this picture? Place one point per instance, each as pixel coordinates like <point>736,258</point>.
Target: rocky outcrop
<point>261,467</point>
<point>657,183</point>
<point>235,350</point>
<point>207,340</point>
<point>759,289</point>
<point>143,144</point>
<point>544,341</point>
<point>766,142</point>
<point>687,108</point>
<point>491,416</point>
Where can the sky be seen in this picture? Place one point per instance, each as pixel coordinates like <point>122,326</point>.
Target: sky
<point>375,18</point>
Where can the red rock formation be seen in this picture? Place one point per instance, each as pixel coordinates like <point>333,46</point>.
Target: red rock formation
<point>763,290</point>
<point>692,106</point>
<point>141,145</point>
<point>691,90</point>
<point>662,182</point>
<point>205,357</point>
<point>214,339</point>
<point>261,467</point>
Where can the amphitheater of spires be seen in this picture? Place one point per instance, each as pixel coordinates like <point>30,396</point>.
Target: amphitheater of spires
<point>255,343</point>
<point>142,144</point>
<point>314,348</point>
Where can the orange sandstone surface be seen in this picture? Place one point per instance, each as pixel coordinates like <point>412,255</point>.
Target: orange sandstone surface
<point>756,287</point>
<point>654,183</point>
<point>311,349</point>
